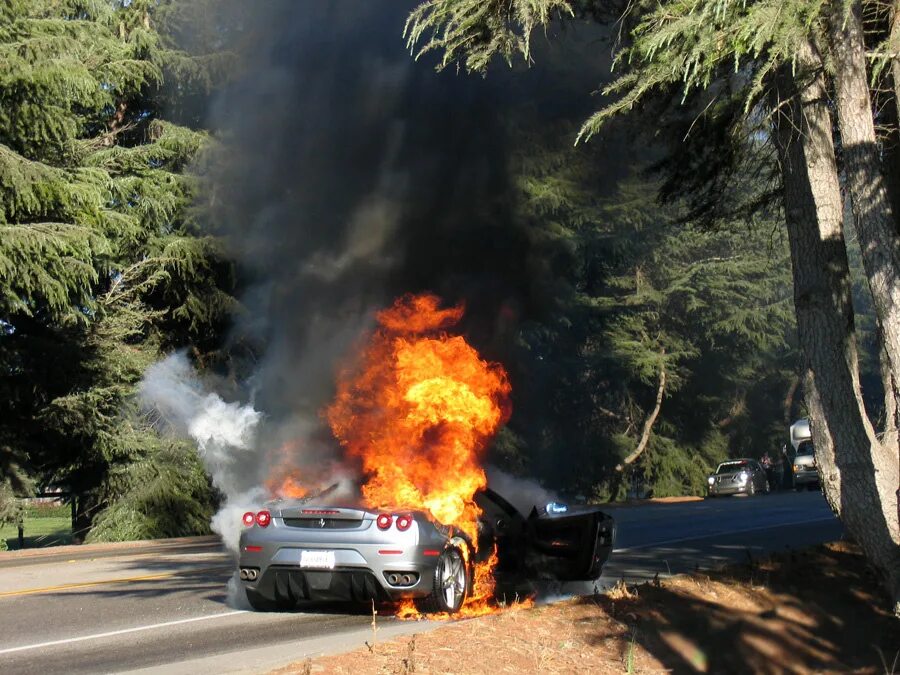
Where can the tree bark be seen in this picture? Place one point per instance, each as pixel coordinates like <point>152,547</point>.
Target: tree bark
<point>788,404</point>
<point>648,423</point>
<point>891,397</point>
<point>891,159</point>
<point>856,471</point>
<point>889,379</point>
<point>872,210</point>
<point>895,59</point>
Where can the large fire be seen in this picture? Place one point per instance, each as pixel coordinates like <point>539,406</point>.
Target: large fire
<point>418,409</point>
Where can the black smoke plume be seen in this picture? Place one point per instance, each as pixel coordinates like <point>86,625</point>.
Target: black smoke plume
<point>347,173</point>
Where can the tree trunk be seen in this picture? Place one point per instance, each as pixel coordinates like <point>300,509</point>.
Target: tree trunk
<point>892,163</point>
<point>888,100</point>
<point>648,423</point>
<point>872,210</point>
<point>891,397</point>
<point>846,448</point>
<point>788,404</point>
<point>895,59</point>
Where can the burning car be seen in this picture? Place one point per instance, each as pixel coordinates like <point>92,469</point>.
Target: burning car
<point>298,550</point>
<point>414,413</point>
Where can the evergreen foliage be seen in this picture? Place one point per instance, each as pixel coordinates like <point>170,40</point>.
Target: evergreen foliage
<point>639,290</point>
<point>101,264</point>
<point>474,31</point>
<point>164,492</point>
<point>697,76</point>
<point>682,43</point>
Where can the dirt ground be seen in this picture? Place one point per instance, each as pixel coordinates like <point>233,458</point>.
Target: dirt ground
<point>818,610</point>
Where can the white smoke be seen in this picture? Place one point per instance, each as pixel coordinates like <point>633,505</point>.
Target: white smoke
<point>228,439</point>
<point>225,433</point>
<point>522,493</point>
<point>222,431</point>
<point>236,596</point>
<point>227,521</point>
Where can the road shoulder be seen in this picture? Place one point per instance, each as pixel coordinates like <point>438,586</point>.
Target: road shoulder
<point>818,609</point>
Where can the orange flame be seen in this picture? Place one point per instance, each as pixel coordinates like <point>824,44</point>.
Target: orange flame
<point>418,410</point>
<point>479,602</point>
<point>284,480</point>
<point>286,488</point>
<point>295,472</point>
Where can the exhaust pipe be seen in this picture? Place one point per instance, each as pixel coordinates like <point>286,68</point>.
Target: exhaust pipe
<point>393,579</point>
<point>243,573</point>
<point>407,579</point>
<point>252,574</point>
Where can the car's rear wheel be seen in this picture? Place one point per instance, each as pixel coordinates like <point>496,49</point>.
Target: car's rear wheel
<point>450,585</point>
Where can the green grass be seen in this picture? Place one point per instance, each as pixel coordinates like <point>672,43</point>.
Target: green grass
<point>48,511</point>
<point>45,530</point>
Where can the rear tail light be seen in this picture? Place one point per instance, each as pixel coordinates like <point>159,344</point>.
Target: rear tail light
<point>384,521</point>
<point>248,519</point>
<point>403,523</point>
<point>263,518</point>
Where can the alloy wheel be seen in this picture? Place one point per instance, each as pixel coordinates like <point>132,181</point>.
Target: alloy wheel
<point>453,578</point>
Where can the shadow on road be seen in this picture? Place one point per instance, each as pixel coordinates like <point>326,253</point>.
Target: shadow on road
<point>806,611</point>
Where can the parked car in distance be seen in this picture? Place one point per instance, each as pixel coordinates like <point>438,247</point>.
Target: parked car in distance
<point>806,472</point>
<point>736,477</point>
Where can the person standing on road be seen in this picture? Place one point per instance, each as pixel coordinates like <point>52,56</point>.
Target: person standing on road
<point>769,468</point>
<point>787,477</point>
<point>778,470</point>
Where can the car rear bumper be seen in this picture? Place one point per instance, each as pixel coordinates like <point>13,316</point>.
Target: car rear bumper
<point>356,577</point>
<point>363,560</point>
<point>291,584</point>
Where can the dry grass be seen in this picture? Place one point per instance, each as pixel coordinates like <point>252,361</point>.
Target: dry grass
<point>813,611</point>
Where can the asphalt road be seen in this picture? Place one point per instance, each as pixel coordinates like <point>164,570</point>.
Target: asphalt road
<point>165,609</point>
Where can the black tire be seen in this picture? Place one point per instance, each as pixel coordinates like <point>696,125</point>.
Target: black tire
<point>751,488</point>
<point>261,603</point>
<point>451,584</point>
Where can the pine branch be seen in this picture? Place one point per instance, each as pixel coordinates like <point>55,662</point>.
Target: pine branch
<point>649,421</point>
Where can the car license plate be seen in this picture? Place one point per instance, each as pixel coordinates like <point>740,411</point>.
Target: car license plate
<point>317,559</point>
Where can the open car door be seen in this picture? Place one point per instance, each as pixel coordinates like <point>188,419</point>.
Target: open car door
<point>559,541</point>
<point>574,542</point>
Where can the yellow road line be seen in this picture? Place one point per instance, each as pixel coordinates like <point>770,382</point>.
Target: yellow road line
<point>103,582</point>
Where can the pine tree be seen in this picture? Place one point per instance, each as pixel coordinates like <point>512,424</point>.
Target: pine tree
<point>101,264</point>
<point>765,70</point>
<point>660,335</point>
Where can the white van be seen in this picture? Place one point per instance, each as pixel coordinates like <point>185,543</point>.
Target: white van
<point>804,465</point>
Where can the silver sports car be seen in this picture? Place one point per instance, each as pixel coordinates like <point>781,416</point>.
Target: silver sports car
<point>293,551</point>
